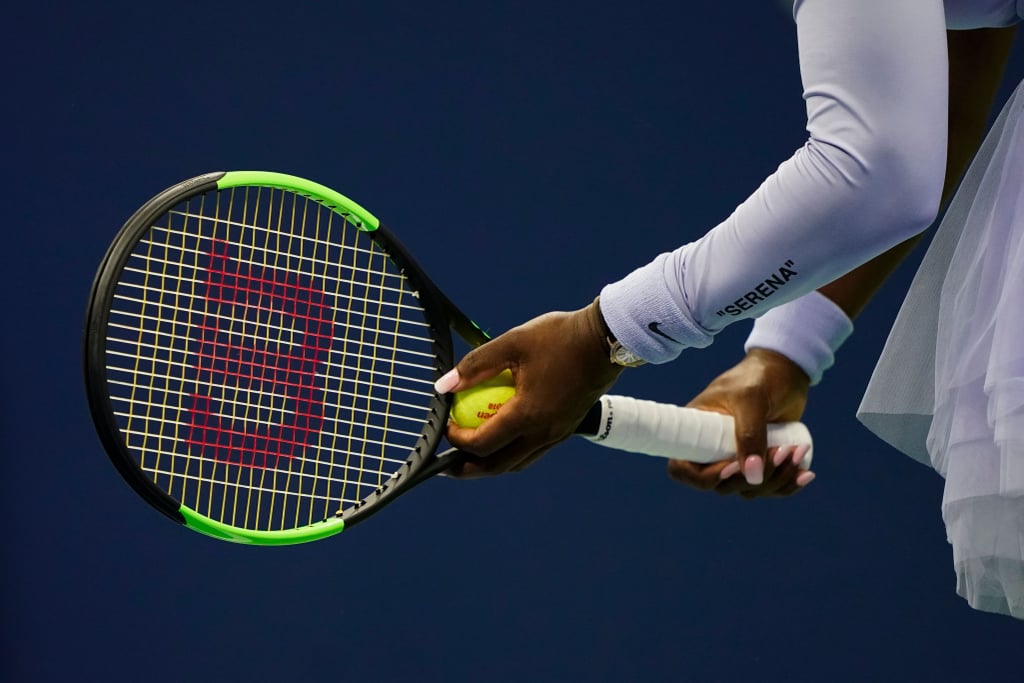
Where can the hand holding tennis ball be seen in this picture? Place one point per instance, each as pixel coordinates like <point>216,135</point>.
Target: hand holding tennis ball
<point>473,406</point>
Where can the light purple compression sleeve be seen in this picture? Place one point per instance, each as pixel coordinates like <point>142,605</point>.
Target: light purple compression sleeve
<point>869,177</point>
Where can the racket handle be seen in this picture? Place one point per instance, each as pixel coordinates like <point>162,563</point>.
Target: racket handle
<point>670,431</point>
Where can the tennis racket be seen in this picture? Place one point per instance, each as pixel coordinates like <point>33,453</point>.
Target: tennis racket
<point>260,354</point>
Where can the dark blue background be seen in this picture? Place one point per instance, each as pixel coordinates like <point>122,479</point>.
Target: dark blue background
<point>528,152</point>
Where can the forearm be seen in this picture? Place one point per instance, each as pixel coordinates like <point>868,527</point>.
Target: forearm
<point>868,178</point>
<point>977,60</point>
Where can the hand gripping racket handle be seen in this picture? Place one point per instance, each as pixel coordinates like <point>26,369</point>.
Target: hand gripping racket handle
<point>670,431</point>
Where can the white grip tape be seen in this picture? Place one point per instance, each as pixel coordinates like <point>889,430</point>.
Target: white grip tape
<point>670,431</point>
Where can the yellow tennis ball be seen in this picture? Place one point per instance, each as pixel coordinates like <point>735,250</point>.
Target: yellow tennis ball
<point>476,404</point>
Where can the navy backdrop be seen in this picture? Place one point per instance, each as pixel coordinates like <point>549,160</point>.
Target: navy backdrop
<point>528,152</point>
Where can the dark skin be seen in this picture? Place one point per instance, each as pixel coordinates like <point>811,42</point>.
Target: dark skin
<point>767,387</point>
<point>571,348</point>
<point>579,335</point>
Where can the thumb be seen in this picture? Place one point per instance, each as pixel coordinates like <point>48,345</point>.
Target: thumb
<point>481,363</point>
<point>751,431</point>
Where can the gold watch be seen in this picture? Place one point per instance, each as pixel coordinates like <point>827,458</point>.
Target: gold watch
<point>620,355</point>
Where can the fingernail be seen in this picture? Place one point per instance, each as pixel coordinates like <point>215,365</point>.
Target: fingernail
<point>799,453</point>
<point>447,382</point>
<point>753,470</point>
<point>729,470</point>
<point>781,453</point>
<point>804,478</point>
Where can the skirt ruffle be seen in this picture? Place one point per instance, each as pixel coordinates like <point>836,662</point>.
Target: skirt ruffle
<point>949,387</point>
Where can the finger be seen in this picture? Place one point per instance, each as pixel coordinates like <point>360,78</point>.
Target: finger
<point>481,363</point>
<point>532,458</point>
<point>733,481</point>
<point>511,459</point>
<point>800,454</point>
<point>733,485</point>
<point>805,478</point>
<point>473,467</point>
<point>787,491</point>
<point>781,476</point>
<point>726,482</point>
<point>476,467</point>
<point>730,470</point>
<point>783,481</point>
<point>770,488</point>
<point>721,476</point>
<point>493,434</point>
<point>794,487</point>
<point>781,455</point>
<point>701,476</point>
<point>527,450</point>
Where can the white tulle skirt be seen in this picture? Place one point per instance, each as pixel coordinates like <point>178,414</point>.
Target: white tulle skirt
<point>948,389</point>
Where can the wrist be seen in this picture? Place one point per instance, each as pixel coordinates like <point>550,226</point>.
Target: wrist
<point>616,352</point>
<point>808,331</point>
<point>780,367</point>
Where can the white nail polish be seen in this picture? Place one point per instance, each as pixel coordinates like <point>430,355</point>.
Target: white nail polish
<point>729,470</point>
<point>804,478</point>
<point>447,382</point>
<point>753,470</point>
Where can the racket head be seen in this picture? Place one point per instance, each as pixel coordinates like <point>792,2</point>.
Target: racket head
<point>259,358</point>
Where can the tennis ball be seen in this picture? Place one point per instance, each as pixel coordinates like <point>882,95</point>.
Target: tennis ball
<point>476,404</point>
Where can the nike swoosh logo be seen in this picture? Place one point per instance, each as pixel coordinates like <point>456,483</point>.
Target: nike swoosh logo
<point>653,327</point>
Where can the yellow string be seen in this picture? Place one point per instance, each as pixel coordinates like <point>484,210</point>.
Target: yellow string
<point>177,288</point>
<point>252,257</point>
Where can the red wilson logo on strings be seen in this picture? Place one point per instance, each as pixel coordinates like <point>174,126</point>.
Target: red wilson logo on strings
<point>263,338</point>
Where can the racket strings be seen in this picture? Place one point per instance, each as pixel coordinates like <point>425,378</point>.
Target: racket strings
<point>160,387</point>
<point>158,323</point>
<point>262,359</point>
